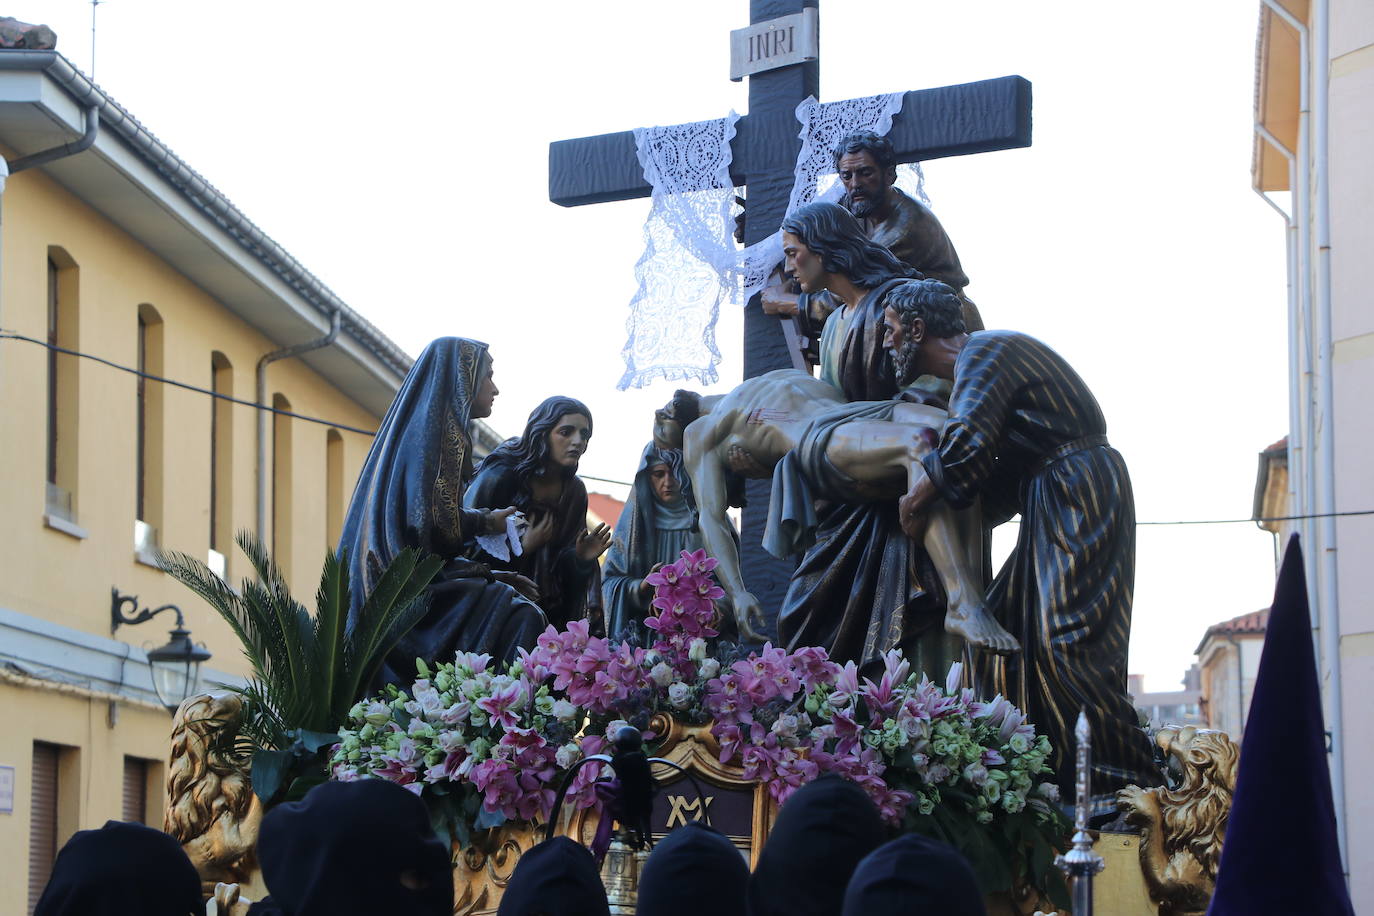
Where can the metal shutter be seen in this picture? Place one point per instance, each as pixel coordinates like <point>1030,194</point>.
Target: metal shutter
<point>42,819</point>
<point>135,790</point>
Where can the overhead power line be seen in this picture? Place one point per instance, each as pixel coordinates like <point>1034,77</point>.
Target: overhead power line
<point>10,335</point>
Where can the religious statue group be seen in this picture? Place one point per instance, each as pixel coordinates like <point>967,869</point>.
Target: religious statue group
<point>918,433</point>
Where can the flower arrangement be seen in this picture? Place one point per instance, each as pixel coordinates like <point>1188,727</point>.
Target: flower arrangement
<point>933,757</point>
<point>483,745</point>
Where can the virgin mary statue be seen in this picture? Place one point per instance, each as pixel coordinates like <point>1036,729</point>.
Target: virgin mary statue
<point>410,494</point>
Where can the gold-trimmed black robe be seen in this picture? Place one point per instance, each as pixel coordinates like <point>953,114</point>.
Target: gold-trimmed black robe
<point>1021,420</point>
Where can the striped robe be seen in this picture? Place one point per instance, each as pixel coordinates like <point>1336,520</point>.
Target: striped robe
<point>1022,421</point>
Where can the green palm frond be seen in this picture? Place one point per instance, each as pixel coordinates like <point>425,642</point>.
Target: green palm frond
<point>308,669</point>
<point>331,606</point>
<point>283,617</point>
<point>396,604</point>
<point>198,577</point>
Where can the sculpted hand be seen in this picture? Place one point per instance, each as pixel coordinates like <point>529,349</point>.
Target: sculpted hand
<point>592,544</point>
<point>537,535</point>
<point>911,509</point>
<point>743,463</point>
<point>748,617</point>
<point>495,520</point>
<point>776,300</point>
<point>521,584</point>
<point>646,590</point>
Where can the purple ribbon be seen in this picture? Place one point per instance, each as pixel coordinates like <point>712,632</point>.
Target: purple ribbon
<point>609,794</point>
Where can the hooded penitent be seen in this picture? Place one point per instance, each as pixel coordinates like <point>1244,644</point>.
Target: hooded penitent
<point>913,875</point>
<point>693,870</point>
<point>121,870</point>
<point>821,833</point>
<point>410,494</point>
<point>363,847</point>
<point>558,877</point>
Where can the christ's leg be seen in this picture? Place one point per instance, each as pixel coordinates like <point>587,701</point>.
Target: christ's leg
<point>875,454</point>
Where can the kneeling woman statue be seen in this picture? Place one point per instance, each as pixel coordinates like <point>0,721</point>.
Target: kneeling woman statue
<point>537,473</point>
<point>410,494</point>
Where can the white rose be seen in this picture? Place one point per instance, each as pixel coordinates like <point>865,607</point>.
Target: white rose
<point>662,674</point>
<point>696,649</point>
<point>785,726</point>
<point>680,695</point>
<point>709,668</point>
<point>564,711</point>
<point>567,755</point>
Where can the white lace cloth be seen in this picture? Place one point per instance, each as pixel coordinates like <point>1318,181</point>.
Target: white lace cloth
<point>688,253</point>
<point>691,262</point>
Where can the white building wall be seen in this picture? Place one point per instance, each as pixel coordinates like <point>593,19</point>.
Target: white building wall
<point>1351,176</point>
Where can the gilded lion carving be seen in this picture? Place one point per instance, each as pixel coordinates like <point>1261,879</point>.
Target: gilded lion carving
<point>211,808</point>
<point>1182,829</point>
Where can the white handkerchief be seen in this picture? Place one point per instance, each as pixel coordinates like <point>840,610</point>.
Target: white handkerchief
<point>503,545</point>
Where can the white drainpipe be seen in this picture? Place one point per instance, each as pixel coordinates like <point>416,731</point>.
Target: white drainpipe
<point>1326,416</point>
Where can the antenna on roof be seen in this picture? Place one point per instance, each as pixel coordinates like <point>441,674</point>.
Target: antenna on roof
<point>94,4</point>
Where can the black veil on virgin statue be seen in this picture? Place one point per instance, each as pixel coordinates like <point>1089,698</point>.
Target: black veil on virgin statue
<point>410,494</point>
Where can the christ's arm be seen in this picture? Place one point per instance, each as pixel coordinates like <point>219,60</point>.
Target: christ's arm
<point>701,445</point>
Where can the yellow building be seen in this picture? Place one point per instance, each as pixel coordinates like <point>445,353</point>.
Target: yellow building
<point>115,249</point>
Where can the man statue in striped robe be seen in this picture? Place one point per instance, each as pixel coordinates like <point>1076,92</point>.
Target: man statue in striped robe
<point>1025,435</point>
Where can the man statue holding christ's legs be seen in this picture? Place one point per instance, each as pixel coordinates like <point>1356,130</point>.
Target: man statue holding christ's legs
<point>1022,420</point>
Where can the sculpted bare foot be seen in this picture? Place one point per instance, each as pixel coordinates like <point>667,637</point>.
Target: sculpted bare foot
<point>979,630</point>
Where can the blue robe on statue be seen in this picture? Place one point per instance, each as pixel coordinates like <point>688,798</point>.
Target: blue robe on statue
<point>647,533</point>
<point>410,494</point>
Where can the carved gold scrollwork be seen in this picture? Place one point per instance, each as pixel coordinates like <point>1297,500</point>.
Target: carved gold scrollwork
<point>484,868</point>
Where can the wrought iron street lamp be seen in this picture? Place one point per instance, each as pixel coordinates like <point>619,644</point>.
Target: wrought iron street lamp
<point>176,666</point>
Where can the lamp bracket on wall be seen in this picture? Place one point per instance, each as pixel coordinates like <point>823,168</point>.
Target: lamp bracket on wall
<point>118,616</point>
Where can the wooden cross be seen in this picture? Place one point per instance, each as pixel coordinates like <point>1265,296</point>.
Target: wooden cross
<point>933,123</point>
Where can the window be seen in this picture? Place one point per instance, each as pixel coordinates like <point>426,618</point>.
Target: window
<point>148,435</point>
<point>281,485</point>
<point>221,462</point>
<point>61,433</point>
<point>135,790</point>
<point>54,809</point>
<point>334,487</point>
<point>42,818</point>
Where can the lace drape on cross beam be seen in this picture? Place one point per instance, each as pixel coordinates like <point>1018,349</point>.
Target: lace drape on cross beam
<point>691,262</point>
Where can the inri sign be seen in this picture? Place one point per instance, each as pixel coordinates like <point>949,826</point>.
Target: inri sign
<point>776,43</point>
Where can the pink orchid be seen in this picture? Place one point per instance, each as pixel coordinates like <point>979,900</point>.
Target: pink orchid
<point>881,698</point>
<point>956,672</point>
<point>814,667</point>
<point>895,666</point>
<point>504,704</point>
<point>846,686</point>
<point>698,562</point>
<point>667,575</point>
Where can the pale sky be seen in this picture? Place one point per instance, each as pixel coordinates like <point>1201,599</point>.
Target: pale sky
<point>400,153</point>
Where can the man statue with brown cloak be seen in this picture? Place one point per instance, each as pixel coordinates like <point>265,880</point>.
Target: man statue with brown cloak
<point>862,587</point>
